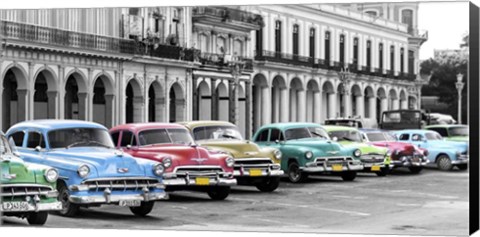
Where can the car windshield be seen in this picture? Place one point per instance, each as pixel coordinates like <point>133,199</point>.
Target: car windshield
<point>433,136</point>
<point>380,137</point>
<point>305,132</point>
<point>164,136</point>
<point>458,131</point>
<point>346,135</point>
<point>216,133</point>
<point>79,137</point>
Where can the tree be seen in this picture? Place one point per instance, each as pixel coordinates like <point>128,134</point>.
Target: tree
<point>444,69</point>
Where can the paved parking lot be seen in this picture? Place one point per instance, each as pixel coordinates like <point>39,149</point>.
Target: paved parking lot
<point>432,203</point>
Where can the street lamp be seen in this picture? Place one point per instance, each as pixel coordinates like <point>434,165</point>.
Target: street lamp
<point>236,69</point>
<point>344,76</point>
<point>459,84</point>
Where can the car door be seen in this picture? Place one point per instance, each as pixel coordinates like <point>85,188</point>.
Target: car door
<point>128,142</point>
<point>33,147</point>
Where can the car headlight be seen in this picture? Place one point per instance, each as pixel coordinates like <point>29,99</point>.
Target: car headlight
<point>167,162</point>
<point>357,153</point>
<point>278,154</point>
<point>308,155</point>
<point>83,171</point>
<point>158,169</point>
<point>230,161</point>
<point>51,175</point>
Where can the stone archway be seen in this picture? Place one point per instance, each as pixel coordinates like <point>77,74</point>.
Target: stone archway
<point>279,101</point>
<point>156,103</point>
<point>313,102</point>
<point>75,99</point>
<point>102,101</point>
<point>14,98</point>
<point>176,103</point>
<point>134,102</point>
<point>45,97</point>
<point>297,101</point>
<point>329,100</point>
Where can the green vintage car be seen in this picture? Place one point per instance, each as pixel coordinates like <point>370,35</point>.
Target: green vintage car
<point>253,165</point>
<point>307,149</point>
<point>453,132</point>
<point>27,190</point>
<point>375,159</point>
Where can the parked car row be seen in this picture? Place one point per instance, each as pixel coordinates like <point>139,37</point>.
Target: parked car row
<point>64,165</point>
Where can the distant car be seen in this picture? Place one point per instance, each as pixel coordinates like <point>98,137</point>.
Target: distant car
<point>347,122</point>
<point>92,172</point>
<point>454,132</point>
<point>27,190</point>
<point>446,154</point>
<point>437,118</point>
<point>187,165</point>
<point>307,149</point>
<point>375,159</point>
<point>253,165</point>
<point>402,154</point>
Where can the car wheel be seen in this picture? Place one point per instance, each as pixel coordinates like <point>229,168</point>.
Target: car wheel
<point>462,166</point>
<point>444,163</point>
<point>37,218</point>
<point>68,209</point>
<point>269,184</point>
<point>295,175</point>
<point>383,172</point>
<point>219,193</point>
<point>143,209</point>
<point>349,175</point>
<point>415,170</point>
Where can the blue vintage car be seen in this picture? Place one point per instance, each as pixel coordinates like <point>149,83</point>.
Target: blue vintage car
<point>91,171</point>
<point>446,154</point>
<point>306,149</point>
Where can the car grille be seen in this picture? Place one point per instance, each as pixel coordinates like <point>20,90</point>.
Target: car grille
<point>252,163</point>
<point>207,171</point>
<point>24,190</point>
<point>120,184</point>
<point>333,160</point>
<point>372,158</point>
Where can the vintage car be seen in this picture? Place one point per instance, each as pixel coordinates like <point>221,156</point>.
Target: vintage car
<point>187,165</point>
<point>456,132</point>
<point>27,190</point>
<point>375,159</point>
<point>253,165</point>
<point>91,171</point>
<point>446,154</point>
<point>348,122</point>
<point>402,154</point>
<point>307,149</point>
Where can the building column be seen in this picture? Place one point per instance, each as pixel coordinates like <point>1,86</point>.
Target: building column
<point>285,105</point>
<point>121,97</point>
<point>301,106</point>
<point>214,101</point>
<point>82,105</point>
<point>90,99</point>
<point>52,104</point>
<point>396,104</point>
<point>108,110</point>
<point>383,104</point>
<point>317,103</point>
<point>404,104</point>
<point>266,108</point>
<point>332,105</point>
<point>29,111</point>
<point>160,109</point>
<point>195,99</point>
<point>62,92</point>
<point>138,109</point>
<point>372,102</point>
<point>347,105</point>
<point>359,101</point>
<point>180,109</point>
<point>248,110</point>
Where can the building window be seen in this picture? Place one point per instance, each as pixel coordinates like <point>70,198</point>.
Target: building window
<point>278,36</point>
<point>380,57</point>
<point>369,54</point>
<point>312,42</point>
<point>372,13</point>
<point>327,47</point>
<point>295,39</point>
<point>411,62</point>
<point>392,58</point>
<point>355,51</point>
<point>342,49</point>
<point>407,18</point>
<point>259,41</point>
<point>401,60</point>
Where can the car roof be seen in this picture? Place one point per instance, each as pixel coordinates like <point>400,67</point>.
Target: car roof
<point>338,128</point>
<point>201,123</point>
<point>51,124</point>
<point>290,125</point>
<point>414,131</point>
<point>446,125</point>
<point>141,126</point>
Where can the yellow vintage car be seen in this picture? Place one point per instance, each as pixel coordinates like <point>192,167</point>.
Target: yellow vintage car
<point>253,165</point>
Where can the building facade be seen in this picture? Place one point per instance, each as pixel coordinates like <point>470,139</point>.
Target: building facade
<point>250,65</point>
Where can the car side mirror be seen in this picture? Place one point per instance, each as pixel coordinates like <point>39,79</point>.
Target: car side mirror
<point>38,149</point>
<point>335,139</point>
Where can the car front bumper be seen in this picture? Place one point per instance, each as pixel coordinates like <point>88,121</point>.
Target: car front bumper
<point>463,159</point>
<point>312,167</point>
<point>9,207</point>
<point>114,199</point>
<point>270,170</point>
<point>407,163</point>
<point>195,182</point>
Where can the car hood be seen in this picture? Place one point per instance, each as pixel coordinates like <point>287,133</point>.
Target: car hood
<point>458,138</point>
<point>105,161</point>
<point>239,149</point>
<point>364,148</point>
<point>15,171</point>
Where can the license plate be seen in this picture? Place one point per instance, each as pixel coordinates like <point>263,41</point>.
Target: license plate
<point>375,168</point>
<point>255,172</point>
<point>202,181</point>
<point>337,167</point>
<point>129,203</point>
<point>15,206</point>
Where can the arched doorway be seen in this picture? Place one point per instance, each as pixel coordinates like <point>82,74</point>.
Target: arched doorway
<point>176,103</point>
<point>134,101</point>
<point>382,103</point>
<point>297,101</point>
<point>205,101</point>
<point>102,102</point>
<point>260,101</point>
<point>222,101</point>
<point>156,103</point>
<point>279,101</point>
<point>329,108</point>
<point>313,99</point>
<point>369,101</point>
<point>45,96</point>
<point>14,98</point>
<point>75,100</point>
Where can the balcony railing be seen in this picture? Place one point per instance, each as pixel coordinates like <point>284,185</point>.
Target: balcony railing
<point>418,33</point>
<point>221,60</point>
<point>284,58</point>
<point>228,14</point>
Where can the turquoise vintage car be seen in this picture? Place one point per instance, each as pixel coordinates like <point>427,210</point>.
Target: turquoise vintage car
<point>307,149</point>
<point>446,154</point>
<point>375,159</point>
<point>454,132</point>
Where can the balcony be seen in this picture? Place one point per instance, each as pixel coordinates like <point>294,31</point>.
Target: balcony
<point>417,36</point>
<point>221,61</point>
<point>227,17</point>
<point>278,57</point>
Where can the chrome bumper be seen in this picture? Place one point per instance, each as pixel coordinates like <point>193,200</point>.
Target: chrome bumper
<point>463,159</point>
<point>369,165</point>
<point>311,167</point>
<point>193,182</point>
<point>270,171</point>
<point>113,199</point>
<point>407,163</point>
<point>35,207</point>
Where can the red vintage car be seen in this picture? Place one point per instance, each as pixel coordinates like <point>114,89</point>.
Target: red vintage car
<point>402,154</point>
<point>187,165</point>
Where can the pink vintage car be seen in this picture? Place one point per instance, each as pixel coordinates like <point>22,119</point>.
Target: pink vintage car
<point>187,165</point>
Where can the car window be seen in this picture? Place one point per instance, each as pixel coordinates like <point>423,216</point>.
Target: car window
<point>180,136</point>
<point>263,136</point>
<point>115,137</point>
<point>217,133</point>
<point>35,139</point>
<point>66,138</point>
<point>128,139</point>
<point>404,137</point>
<point>18,138</point>
<point>276,134</point>
<point>442,131</point>
<point>417,137</point>
<point>433,136</point>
